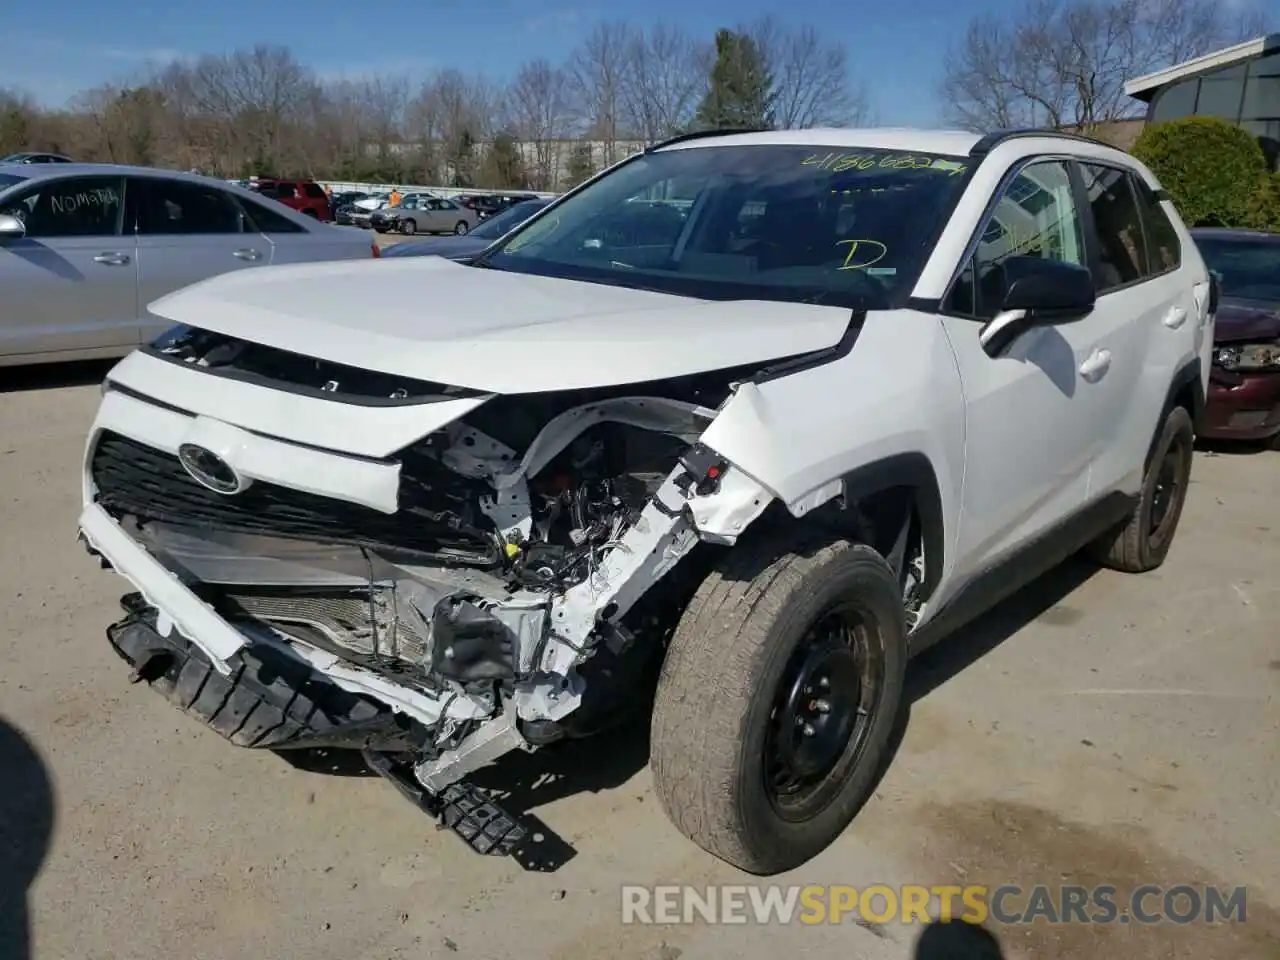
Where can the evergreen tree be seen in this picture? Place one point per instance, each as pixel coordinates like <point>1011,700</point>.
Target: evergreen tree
<point>741,89</point>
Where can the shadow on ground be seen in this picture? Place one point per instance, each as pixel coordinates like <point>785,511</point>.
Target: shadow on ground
<point>26,827</point>
<point>957,940</point>
<point>51,376</point>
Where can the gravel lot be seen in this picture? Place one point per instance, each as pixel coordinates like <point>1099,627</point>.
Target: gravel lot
<point>1098,728</point>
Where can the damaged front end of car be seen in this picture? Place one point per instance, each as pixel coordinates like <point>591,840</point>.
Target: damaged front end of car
<point>500,583</point>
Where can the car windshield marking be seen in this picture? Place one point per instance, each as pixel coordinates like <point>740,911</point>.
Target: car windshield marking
<point>780,222</point>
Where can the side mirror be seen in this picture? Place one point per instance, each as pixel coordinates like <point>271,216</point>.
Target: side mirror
<point>1037,292</point>
<point>11,228</point>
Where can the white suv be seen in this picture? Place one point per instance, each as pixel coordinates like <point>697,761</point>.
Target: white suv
<point>755,416</point>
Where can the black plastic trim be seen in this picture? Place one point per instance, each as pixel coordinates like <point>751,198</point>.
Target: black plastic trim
<point>815,359</point>
<point>1188,376</point>
<point>1010,575</point>
<point>915,472</point>
<point>352,399</point>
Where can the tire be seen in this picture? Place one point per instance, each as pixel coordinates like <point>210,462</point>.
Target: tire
<point>269,701</point>
<point>408,228</point>
<point>717,713</point>
<point>461,227</point>
<point>1142,542</point>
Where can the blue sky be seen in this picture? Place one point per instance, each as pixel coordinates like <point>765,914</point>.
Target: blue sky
<point>52,50</point>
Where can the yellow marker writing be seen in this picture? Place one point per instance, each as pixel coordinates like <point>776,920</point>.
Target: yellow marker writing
<point>862,254</point>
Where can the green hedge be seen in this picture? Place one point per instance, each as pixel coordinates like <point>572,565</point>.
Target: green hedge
<point>1215,172</point>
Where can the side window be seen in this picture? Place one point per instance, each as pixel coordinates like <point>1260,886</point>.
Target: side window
<point>177,207</point>
<point>285,191</point>
<point>1035,217</point>
<point>1121,246</point>
<point>448,205</point>
<point>314,191</point>
<point>1164,250</point>
<point>266,220</point>
<point>74,207</point>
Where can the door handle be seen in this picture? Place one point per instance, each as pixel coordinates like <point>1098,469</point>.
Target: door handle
<point>1175,318</point>
<point>113,259</point>
<point>247,253</point>
<point>1096,365</point>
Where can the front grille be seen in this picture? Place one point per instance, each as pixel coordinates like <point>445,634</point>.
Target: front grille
<point>435,519</point>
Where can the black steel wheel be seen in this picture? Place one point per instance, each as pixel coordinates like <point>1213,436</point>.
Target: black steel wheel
<point>823,710</point>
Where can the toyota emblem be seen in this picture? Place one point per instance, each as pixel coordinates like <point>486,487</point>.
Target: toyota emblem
<point>210,470</point>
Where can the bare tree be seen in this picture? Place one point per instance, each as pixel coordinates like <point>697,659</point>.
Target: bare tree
<point>599,75</point>
<point>812,82</point>
<point>665,77</point>
<point>541,111</point>
<point>462,111</point>
<point>1065,62</point>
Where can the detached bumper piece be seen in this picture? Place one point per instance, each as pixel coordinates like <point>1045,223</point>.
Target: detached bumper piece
<point>474,816</point>
<point>270,700</point>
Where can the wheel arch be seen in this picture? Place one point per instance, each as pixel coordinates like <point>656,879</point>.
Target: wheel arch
<point>1186,389</point>
<point>875,501</point>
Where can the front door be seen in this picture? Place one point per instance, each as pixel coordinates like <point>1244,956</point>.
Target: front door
<point>1034,415</point>
<point>70,284</point>
<point>187,232</point>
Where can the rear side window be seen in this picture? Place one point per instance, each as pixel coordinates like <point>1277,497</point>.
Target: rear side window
<point>1164,250</point>
<point>177,207</point>
<point>314,190</point>
<point>1121,245</point>
<point>266,220</point>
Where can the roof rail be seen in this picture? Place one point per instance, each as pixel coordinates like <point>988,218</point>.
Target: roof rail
<point>698,135</point>
<point>997,137</point>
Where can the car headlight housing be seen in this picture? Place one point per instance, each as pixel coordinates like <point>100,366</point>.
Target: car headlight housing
<point>1244,357</point>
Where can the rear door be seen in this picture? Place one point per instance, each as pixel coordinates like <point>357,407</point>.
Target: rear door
<point>70,284</point>
<point>1149,297</point>
<point>294,242</point>
<point>186,232</point>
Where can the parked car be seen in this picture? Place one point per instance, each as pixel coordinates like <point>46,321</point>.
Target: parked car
<point>460,246</point>
<point>493,204</point>
<point>35,158</point>
<point>305,196</point>
<point>444,511</point>
<point>85,248</point>
<point>343,199</point>
<point>423,214</point>
<point>1244,384</point>
<point>373,201</point>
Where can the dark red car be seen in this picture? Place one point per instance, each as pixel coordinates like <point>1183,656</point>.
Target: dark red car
<point>1244,384</point>
<point>305,196</point>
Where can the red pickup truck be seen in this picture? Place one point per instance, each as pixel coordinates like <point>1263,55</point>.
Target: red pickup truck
<point>305,196</point>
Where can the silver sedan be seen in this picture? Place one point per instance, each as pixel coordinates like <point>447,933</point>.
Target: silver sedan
<point>84,248</point>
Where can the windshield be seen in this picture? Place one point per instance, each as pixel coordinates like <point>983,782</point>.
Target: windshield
<point>508,219</point>
<point>1250,269</point>
<point>762,221</point>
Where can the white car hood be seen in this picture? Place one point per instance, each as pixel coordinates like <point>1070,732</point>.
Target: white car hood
<point>432,319</point>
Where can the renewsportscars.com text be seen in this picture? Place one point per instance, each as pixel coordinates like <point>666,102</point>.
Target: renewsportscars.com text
<point>1008,904</point>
